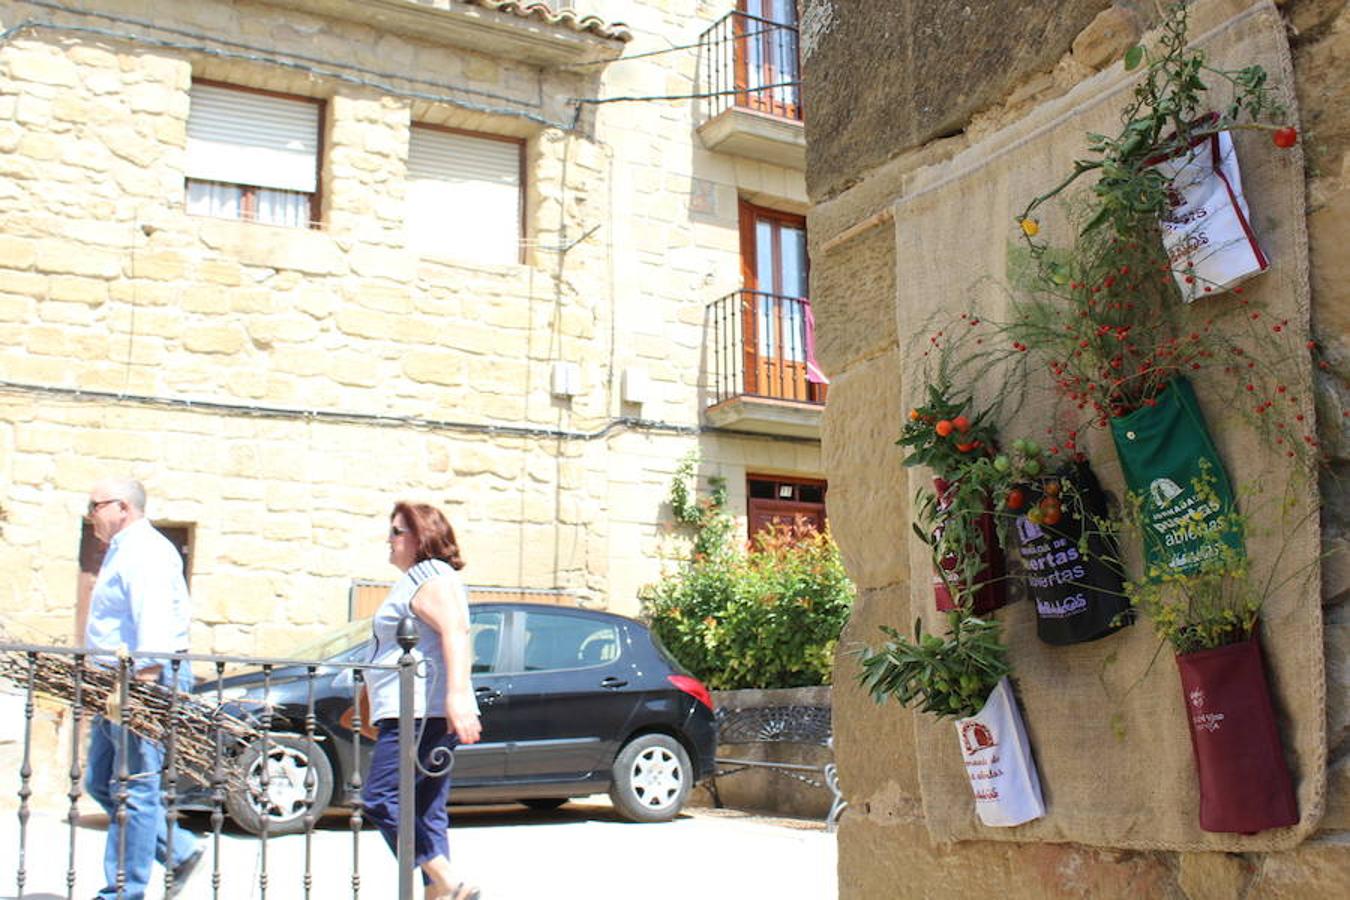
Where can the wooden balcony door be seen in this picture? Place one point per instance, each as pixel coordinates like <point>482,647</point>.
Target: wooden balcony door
<point>774,270</point>
<point>766,54</point>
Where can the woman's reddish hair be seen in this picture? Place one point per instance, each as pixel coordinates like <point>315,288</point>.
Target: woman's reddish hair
<point>431,529</point>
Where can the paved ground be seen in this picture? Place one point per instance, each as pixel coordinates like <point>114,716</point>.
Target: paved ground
<point>582,851</point>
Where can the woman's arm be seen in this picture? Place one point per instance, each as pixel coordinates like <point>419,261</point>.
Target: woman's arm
<point>440,603</point>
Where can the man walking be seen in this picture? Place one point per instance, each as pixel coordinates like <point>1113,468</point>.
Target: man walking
<point>140,602</point>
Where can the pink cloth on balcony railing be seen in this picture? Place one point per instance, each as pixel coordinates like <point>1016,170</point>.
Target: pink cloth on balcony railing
<point>813,372</point>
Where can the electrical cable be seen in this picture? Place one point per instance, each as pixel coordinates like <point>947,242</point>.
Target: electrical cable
<point>619,423</point>
<point>30,25</point>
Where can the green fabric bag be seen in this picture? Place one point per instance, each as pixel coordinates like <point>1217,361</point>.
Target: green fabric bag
<point>1164,450</point>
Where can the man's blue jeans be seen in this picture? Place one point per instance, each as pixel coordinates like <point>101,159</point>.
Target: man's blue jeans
<point>146,830</point>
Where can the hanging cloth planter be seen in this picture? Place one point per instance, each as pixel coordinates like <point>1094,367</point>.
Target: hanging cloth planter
<point>1075,581</point>
<point>1172,467</point>
<point>1207,233</point>
<point>998,760</point>
<point>1244,782</point>
<point>991,590</point>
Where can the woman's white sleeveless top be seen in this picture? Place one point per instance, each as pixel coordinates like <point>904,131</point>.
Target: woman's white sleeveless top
<point>429,690</point>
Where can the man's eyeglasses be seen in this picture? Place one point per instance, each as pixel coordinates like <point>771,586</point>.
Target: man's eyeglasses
<point>394,531</point>
<point>95,504</point>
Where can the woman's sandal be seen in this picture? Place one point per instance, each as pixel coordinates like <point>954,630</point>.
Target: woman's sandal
<point>460,891</point>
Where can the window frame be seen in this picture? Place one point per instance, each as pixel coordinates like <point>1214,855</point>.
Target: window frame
<point>522,185</point>
<point>249,193</point>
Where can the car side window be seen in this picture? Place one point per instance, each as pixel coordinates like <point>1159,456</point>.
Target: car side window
<point>485,636</point>
<point>555,640</point>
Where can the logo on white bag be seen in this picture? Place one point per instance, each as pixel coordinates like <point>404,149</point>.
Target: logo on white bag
<point>976,736</point>
<point>1163,491</point>
<point>1205,721</point>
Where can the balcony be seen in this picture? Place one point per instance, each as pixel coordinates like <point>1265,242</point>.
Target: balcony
<point>749,67</point>
<point>762,376</point>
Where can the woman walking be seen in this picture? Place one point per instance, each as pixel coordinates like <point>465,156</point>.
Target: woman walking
<point>422,545</point>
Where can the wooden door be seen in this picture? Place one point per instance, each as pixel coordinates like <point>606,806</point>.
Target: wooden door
<point>778,500</point>
<point>773,312</point>
<point>766,54</point>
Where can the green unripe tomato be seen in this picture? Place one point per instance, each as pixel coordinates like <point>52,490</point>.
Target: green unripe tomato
<point>1031,467</point>
<point>1002,464</point>
<point>1032,448</point>
<point>1020,445</point>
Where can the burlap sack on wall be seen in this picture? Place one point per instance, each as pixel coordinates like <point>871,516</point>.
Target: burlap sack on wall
<point>1106,719</point>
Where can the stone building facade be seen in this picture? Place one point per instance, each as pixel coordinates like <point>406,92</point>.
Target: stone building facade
<point>278,384</point>
<point>899,96</point>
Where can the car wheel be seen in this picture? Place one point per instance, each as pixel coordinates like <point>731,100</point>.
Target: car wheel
<point>290,759</point>
<point>652,778</point>
<point>543,804</point>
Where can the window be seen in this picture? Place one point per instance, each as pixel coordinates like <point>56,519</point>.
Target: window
<point>485,636</point>
<point>252,156</point>
<point>464,195</point>
<point>561,641</point>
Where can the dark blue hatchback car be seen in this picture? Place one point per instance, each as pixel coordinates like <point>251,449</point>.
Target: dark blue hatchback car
<point>574,702</point>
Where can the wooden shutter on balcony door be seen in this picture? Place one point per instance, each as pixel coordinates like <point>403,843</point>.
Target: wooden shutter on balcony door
<point>749,281</point>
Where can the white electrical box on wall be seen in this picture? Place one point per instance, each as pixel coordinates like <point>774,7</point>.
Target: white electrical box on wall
<point>635,387</point>
<point>566,379</point>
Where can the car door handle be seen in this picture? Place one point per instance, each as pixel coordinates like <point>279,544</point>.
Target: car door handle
<point>612,682</point>
<point>487,696</point>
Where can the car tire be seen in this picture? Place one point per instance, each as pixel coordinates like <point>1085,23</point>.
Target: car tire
<point>543,804</point>
<point>651,779</point>
<point>291,757</point>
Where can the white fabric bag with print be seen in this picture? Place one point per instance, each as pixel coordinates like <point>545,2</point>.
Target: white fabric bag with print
<point>997,755</point>
<point>1207,233</point>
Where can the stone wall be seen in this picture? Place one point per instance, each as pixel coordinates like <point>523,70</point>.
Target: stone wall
<point>855,171</point>
<point>278,388</point>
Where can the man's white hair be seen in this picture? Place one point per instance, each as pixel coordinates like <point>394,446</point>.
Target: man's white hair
<point>128,490</point>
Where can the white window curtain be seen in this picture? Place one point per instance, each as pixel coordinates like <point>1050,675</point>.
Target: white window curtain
<point>242,137</point>
<point>464,196</point>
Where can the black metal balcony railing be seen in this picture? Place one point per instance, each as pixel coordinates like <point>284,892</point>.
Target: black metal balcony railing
<point>751,63</point>
<point>760,347</point>
<point>203,742</point>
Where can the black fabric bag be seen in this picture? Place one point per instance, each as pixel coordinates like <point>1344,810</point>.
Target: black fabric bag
<point>1075,581</point>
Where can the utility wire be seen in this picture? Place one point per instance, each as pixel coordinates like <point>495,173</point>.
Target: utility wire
<point>309,69</point>
<point>621,423</point>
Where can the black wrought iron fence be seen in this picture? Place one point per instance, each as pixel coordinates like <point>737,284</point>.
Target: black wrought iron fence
<point>759,348</point>
<point>752,63</point>
<point>208,739</point>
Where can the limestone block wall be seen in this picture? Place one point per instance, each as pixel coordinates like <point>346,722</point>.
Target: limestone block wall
<point>278,388</point>
<point>855,172</point>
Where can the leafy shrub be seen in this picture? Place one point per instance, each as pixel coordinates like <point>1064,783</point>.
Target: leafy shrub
<point>767,616</point>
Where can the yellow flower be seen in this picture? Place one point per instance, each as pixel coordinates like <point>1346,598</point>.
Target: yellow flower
<point>1030,227</point>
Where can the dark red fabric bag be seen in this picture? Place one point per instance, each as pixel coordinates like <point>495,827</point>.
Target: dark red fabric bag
<point>992,592</point>
<point>1244,782</point>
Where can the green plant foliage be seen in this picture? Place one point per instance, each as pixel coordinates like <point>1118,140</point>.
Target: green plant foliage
<point>767,616</point>
<point>1164,116</point>
<point>949,676</point>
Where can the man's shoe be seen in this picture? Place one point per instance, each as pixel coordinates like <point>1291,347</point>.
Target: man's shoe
<point>184,871</point>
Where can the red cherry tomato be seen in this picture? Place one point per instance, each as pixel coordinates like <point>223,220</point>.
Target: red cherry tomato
<point>1016,499</point>
<point>1285,138</point>
<point>943,428</point>
<point>1051,516</point>
<point>961,423</point>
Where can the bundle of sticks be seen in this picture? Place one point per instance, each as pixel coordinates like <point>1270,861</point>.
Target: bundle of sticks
<point>151,710</point>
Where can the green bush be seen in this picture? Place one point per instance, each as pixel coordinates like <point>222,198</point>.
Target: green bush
<point>764,617</point>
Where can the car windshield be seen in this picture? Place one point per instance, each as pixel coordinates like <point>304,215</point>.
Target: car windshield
<point>334,642</point>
